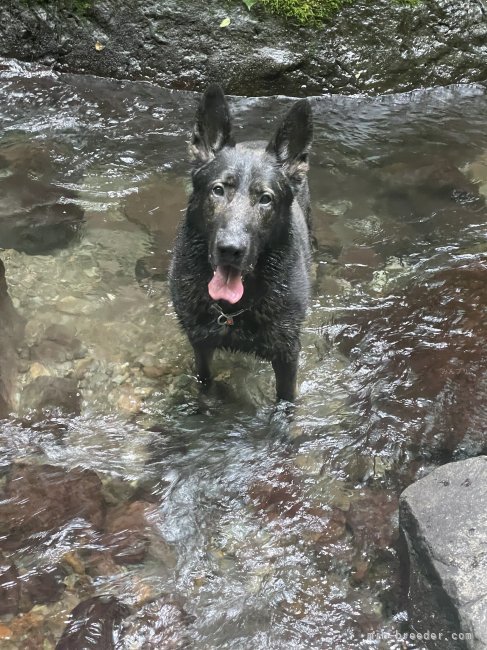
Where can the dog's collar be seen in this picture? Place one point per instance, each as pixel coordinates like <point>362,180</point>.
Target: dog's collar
<point>223,318</point>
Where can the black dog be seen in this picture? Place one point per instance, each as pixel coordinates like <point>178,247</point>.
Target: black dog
<point>239,276</point>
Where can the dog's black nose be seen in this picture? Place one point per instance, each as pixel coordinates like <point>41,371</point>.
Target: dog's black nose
<point>230,254</point>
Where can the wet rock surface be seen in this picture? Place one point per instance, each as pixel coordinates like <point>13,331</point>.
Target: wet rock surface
<point>127,532</point>
<point>48,395</point>
<point>19,592</point>
<point>444,519</point>
<point>11,333</point>
<point>93,624</point>
<point>39,498</point>
<point>372,518</point>
<point>159,624</point>
<point>436,365</point>
<point>36,216</point>
<point>367,47</point>
<point>56,346</point>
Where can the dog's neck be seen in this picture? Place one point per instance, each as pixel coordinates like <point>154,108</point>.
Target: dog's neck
<point>226,318</point>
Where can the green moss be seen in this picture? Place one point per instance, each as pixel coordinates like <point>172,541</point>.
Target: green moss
<point>310,12</point>
<point>305,12</point>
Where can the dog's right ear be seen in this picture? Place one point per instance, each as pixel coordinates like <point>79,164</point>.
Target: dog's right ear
<point>212,130</point>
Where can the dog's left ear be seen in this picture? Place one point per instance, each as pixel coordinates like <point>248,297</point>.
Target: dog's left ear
<point>213,127</point>
<point>292,141</point>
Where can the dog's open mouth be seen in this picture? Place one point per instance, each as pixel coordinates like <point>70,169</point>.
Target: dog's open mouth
<point>226,284</point>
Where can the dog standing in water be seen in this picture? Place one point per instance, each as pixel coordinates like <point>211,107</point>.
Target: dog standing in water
<point>240,271</point>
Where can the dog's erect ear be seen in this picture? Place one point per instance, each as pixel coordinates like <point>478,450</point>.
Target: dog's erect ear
<point>292,140</point>
<point>212,130</point>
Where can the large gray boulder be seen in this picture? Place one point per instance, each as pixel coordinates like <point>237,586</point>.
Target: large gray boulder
<point>444,520</point>
<point>368,46</point>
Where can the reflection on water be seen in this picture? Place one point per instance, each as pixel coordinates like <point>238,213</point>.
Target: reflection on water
<point>162,518</point>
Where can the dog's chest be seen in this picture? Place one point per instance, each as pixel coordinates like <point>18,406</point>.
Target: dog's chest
<point>254,331</point>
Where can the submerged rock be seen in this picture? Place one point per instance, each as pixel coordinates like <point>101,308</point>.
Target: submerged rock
<point>159,624</point>
<point>19,592</point>
<point>421,366</point>
<point>56,346</point>
<point>372,518</point>
<point>42,497</point>
<point>379,46</point>
<point>36,215</point>
<point>279,494</point>
<point>9,589</point>
<point>93,624</point>
<point>127,533</point>
<point>49,395</point>
<point>11,332</point>
<point>444,520</point>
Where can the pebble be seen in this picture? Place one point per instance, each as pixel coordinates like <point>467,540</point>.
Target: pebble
<point>129,402</point>
<point>38,370</point>
<point>75,306</point>
<point>154,372</point>
<point>73,560</point>
<point>82,366</point>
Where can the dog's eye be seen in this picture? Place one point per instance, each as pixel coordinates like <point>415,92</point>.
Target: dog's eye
<point>218,190</point>
<point>265,199</point>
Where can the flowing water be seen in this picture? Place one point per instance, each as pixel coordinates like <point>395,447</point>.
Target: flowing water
<point>172,519</point>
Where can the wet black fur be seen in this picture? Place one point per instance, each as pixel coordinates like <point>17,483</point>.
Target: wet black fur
<point>274,239</point>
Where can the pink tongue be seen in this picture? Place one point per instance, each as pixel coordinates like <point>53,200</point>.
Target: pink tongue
<point>226,284</point>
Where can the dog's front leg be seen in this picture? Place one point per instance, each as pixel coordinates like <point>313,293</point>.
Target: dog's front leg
<point>202,359</point>
<point>286,370</point>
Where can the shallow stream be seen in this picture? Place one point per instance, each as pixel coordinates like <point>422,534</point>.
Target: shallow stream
<point>169,519</point>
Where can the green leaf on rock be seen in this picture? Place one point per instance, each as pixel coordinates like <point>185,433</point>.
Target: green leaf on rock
<point>250,3</point>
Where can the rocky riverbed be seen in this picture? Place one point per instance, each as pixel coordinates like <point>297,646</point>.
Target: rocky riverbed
<point>133,505</point>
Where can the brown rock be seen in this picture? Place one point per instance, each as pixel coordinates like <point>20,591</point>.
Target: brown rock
<point>43,497</point>
<point>101,563</point>
<point>129,401</point>
<point>127,531</point>
<point>278,495</point>
<point>372,518</point>
<point>9,590</point>
<point>360,570</point>
<point>331,525</point>
<point>39,587</point>
<point>56,346</point>
<point>74,562</point>
<point>92,624</point>
<point>422,364</point>
<point>19,593</point>
<point>50,394</point>
<point>62,335</point>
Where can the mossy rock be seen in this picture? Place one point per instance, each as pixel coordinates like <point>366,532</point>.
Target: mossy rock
<point>310,12</point>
